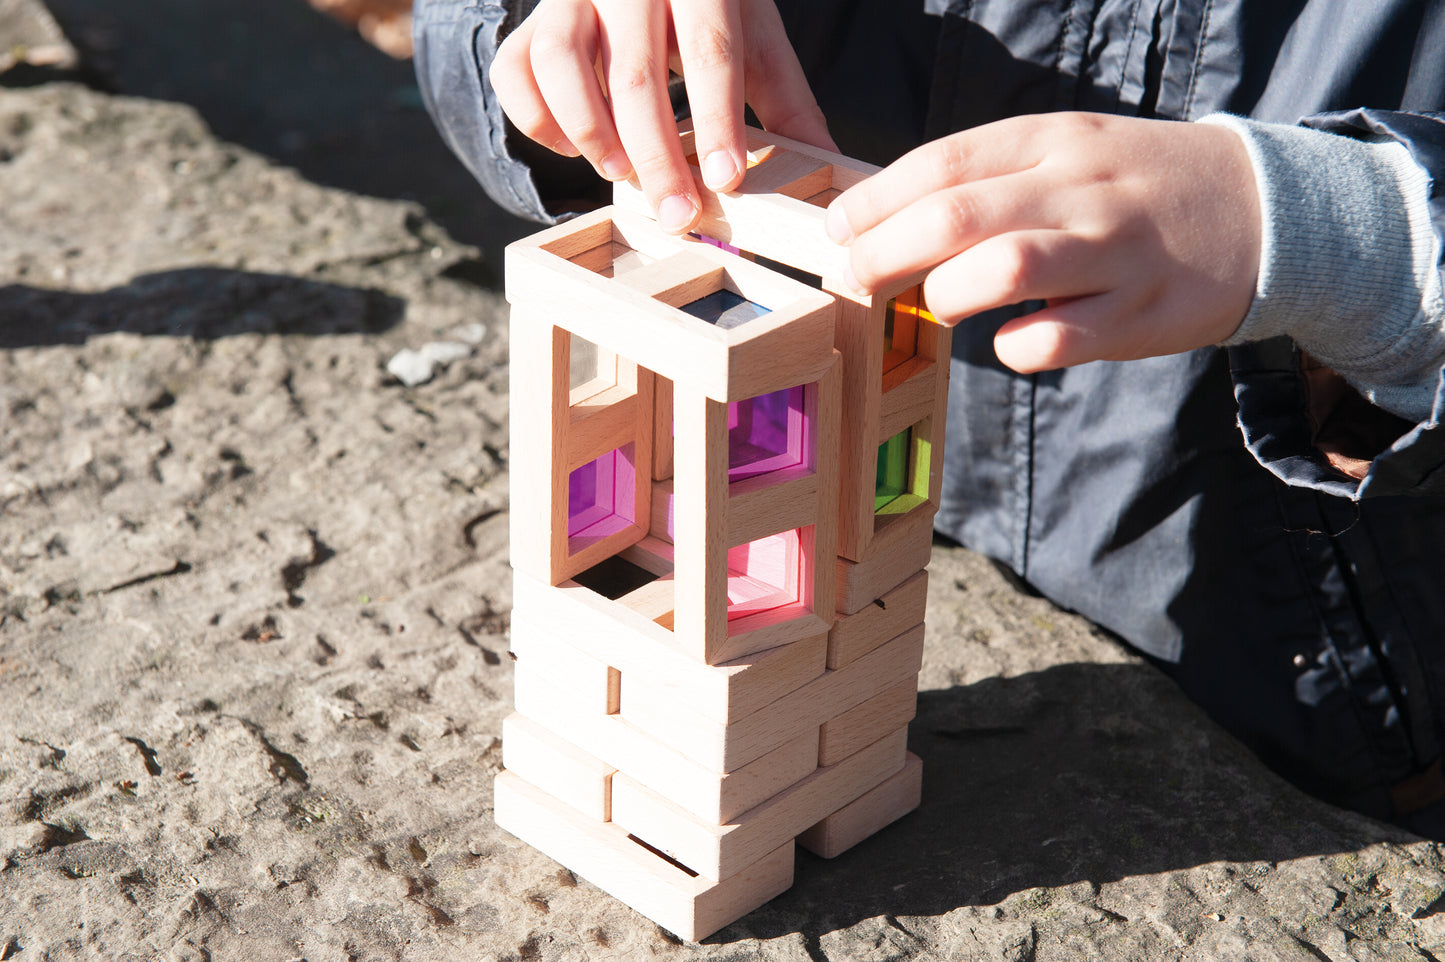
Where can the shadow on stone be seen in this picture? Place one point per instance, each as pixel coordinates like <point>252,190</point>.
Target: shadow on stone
<point>1079,773</point>
<point>199,302</point>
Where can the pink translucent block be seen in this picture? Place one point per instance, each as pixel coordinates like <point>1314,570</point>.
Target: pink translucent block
<point>600,497</point>
<point>767,433</point>
<point>764,574</point>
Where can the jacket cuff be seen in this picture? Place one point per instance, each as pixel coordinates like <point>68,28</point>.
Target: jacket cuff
<point>1348,261</point>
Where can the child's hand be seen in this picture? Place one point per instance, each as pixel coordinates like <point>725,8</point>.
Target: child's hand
<point>589,77</point>
<point>1143,236</point>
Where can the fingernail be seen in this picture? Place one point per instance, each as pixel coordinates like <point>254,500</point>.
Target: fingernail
<point>675,213</point>
<point>615,167</point>
<point>565,148</point>
<point>718,169</point>
<point>836,224</point>
<point>852,281</point>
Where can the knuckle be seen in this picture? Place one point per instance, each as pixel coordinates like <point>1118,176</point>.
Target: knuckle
<point>633,75</point>
<point>1017,267</point>
<point>710,48</point>
<point>955,214</point>
<point>551,43</point>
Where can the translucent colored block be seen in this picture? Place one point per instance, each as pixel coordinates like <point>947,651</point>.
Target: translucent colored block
<point>768,433</point>
<point>601,498</point>
<point>725,308</point>
<point>902,480</point>
<point>714,242</point>
<point>900,327</point>
<point>764,574</point>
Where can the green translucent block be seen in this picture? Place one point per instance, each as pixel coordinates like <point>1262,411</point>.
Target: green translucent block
<point>901,483</point>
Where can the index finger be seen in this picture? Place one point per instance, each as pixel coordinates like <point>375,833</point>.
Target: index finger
<point>709,35</point>
<point>634,59</point>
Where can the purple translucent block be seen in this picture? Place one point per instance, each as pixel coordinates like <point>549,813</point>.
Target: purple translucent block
<point>767,433</point>
<point>600,496</point>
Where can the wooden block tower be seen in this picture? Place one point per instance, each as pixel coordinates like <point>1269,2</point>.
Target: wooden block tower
<point>724,472</point>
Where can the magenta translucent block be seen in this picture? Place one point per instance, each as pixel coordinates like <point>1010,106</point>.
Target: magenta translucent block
<point>600,497</point>
<point>714,242</point>
<point>764,574</point>
<point>768,433</point>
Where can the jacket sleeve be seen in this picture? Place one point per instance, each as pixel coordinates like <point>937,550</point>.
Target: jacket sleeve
<point>1299,416</point>
<point>455,41</point>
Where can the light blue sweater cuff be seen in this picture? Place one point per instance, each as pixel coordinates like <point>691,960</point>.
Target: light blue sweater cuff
<point>1349,262</point>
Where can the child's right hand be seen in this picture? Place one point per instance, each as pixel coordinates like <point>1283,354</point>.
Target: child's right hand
<point>589,77</point>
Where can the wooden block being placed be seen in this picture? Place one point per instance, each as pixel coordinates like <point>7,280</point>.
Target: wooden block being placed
<point>613,634</point>
<point>690,906</point>
<point>860,818</point>
<point>717,851</point>
<point>904,548</point>
<point>864,724</point>
<point>724,748</point>
<point>710,795</point>
<point>558,767</point>
<point>888,617</point>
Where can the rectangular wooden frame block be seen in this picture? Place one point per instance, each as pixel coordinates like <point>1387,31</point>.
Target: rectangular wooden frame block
<point>692,907</point>
<point>623,639</point>
<point>712,516</point>
<point>777,211</point>
<point>637,315</point>
<point>551,437</point>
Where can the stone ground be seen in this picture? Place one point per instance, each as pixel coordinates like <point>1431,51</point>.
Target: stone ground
<point>253,632</point>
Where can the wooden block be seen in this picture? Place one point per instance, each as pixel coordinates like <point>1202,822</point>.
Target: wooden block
<point>689,906</point>
<point>864,724</point>
<point>617,636</point>
<point>901,549</point>
<point>717,851</point>
<point>855,324</point>
<point>538,434</point>
<point>907,404</point>
<point>709,795</point>
<point>860,818</point>
<point>672,721</point>
<point>887,617</point>
<point>557,766</point>
<point>699,519</point>
<point>661,428</point>
<point>786,346</point>
<point>770,503</point>
<point>592,686</point>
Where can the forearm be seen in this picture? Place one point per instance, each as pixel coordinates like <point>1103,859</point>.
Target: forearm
<point>1350,262</point>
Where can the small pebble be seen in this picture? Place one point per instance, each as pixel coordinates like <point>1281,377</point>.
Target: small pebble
<point>411,367</point>
<point>445,352</point>
<point>474,333</point>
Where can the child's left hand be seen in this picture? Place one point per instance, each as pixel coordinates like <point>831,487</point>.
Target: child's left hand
<point>1143,236</point>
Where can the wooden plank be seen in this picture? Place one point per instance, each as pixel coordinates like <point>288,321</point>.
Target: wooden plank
<point>767,630</point>
<point>539,355</point>
<point>599,424</point>
<point>856,328</point>
<point>724,692</point>
<point>885,619</point>
<point>672,721</point>
<point>778,501</point>
<point>907,404</point>
<point>661,428</point>
<point>557,766</point>
<point>677,280</point>
<point>864,724</point>
<point>710,795</point>
<point>692,907</point>
<point>700,481</point>
<point>717,851</point>
<point>907,550</point>
<point>824,410</point>
<point>895,797</point>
